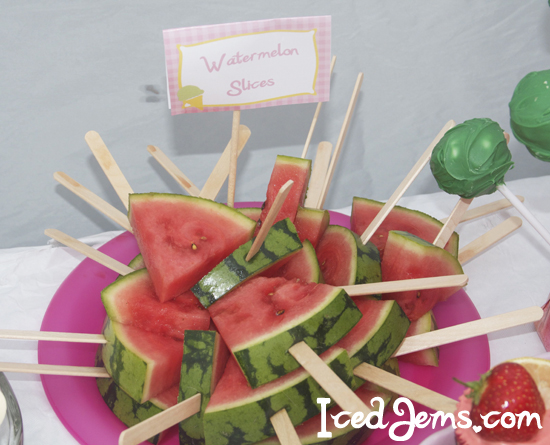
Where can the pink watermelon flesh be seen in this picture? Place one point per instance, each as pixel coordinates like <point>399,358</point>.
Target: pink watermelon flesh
<point>182,238</point>
<point>132,300</point>
<point>400,218</point>
<point>427,357</point>
<point>167,398</point>
<point>334,257</point>
<point>262,306</point>
<point>251,212</point>
<point>286,168</point>
<point>407,256</point>
<point>302,266</point>
<point>311,224</point>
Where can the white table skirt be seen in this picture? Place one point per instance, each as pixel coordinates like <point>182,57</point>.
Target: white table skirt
<point>512,275</point>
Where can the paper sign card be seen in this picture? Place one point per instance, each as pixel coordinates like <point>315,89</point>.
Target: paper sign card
<point>245,65</point>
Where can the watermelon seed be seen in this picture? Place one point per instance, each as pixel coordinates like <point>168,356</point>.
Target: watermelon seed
<point>281,312</point>
<point>193,246</point>
<point>203,238</point>
<point>418,295</point>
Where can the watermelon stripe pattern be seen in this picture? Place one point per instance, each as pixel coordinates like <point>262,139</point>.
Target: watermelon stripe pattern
<point>281,241</point>
<point>268,360</point>
<point>203,355</point>
<point>246,421</point>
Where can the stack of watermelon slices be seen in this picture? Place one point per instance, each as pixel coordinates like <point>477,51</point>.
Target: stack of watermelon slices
<point>182,239</point>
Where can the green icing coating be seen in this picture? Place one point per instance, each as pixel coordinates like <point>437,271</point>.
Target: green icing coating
<point>530,113</point>
<point>471,159</point>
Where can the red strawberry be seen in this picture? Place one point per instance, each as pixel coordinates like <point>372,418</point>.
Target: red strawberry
<point>508,387</point>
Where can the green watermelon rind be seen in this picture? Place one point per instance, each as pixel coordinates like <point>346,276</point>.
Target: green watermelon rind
<point>266,358</point>
<point>364,263</point>
<point>126,409</point>
<point>452,244</point>
<point>281,241</point>
<point>129,371</point>
<point>384,338</point>
<point>248,421</point>
<point>197,373</point>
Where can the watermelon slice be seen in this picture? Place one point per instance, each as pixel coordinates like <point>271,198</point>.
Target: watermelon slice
<point>141,363</point>
<point>251,212</point>
<point>345,260</point>
<point>408,256</point>
<point>131,300</point>
<point>182,237</point>
<point>311,224</point>
<point>286,168</point>
<point>204,359</point>
<point>281,242</point>
<point>239,415</point>
<point>264,317</point>
<point>364,210</point>
<point>426,357</point>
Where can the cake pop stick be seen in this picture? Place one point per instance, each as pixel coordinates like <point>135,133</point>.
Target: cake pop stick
<point>316,115</point>
<point>215,181</point>
<point>318,175</point>
<point>341,138</point>
<point>405,184</point>
<point>109,166</point>
<point>173,170</point>
<point>485,209</point>
<point>234,156</point>
<point>472,160</point>
<point>94,200</point>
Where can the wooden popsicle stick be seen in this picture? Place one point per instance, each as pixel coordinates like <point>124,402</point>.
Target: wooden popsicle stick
<point>470,329</point>
<point>525,212</point>
<point>454,218</point>
<point>327,379</point>
<point>316,115</point>
<point>318,174</point>
<point>233,159</point>
<point>405,184</point>
<point>90,252</point>
<point>160,422</point>
<point>340,141</point>
<point>52,336</point>
<point>109,166</point>
<point>31,368</point>
<point>486,209</point>
<point>489,238</point>
<point>386,287</point>
<point>95,201</point>
<point>215,181</point>
<point>173,170</point>
<point>284,429</point>
<point>269,219</point>
<point>405,388</point>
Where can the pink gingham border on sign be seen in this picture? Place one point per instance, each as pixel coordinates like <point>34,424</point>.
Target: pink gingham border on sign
<point>197,34</point>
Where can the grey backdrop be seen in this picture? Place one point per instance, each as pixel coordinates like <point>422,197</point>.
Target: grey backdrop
<point>69,66</point>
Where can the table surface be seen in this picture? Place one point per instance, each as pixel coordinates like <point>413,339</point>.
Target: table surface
<point>511,275</point>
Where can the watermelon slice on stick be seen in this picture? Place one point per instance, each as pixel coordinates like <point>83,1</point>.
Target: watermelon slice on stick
<point>182,238</point>
<point>405,184</point>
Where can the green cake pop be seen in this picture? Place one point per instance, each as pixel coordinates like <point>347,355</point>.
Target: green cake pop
<point>471,159</point>
<point>530,113</point>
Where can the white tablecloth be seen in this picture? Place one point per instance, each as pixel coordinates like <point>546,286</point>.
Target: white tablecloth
<point>512,275</point>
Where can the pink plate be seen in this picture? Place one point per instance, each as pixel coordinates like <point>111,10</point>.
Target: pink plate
<point>77,307</point>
